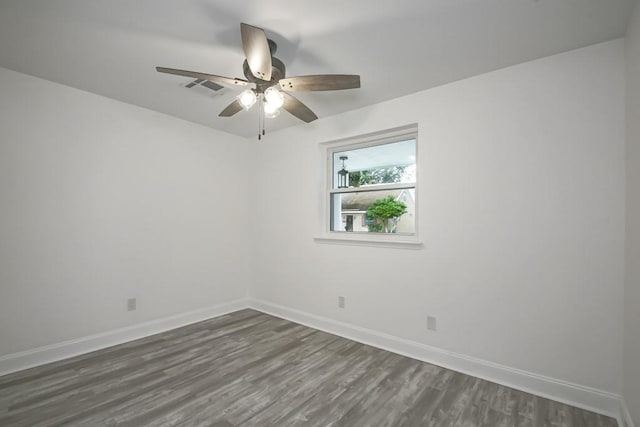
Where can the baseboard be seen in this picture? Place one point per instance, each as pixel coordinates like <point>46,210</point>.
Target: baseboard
<point>588,398</point>
<point>625,415</point>
<point>51,353</point>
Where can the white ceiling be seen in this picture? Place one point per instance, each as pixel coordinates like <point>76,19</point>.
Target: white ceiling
<point>111,47</point>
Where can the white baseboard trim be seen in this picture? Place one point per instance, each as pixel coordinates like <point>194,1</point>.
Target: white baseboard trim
<point>588,398</point>
<point>39,356</point>
<point>625,415</point>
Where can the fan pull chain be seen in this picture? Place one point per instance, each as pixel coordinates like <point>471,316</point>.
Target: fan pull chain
<point>262,114</point>
<point>260,109</point>
<point>261,118</point>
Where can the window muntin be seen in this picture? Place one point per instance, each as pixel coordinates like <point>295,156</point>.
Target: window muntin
<point>378,169</point>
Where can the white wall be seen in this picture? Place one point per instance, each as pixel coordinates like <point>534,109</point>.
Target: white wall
<point>632,283</point>
<point>521,196</point>
<point>101,201</point>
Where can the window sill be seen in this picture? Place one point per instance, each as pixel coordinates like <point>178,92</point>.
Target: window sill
<point>394,241</point>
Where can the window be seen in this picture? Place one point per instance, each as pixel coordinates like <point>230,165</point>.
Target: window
<point>371,188</point>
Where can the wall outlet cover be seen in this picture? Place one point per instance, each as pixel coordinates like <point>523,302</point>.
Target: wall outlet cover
<point>431,323</point>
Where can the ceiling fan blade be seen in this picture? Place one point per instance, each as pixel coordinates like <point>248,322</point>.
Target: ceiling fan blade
<point>202,76</point>
<point>321,82</point>
<point>298,109</point>
<point>231,109</point>
<point>256,49</point>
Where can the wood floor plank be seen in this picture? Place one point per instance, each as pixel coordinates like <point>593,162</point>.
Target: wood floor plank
<point>251,369</point>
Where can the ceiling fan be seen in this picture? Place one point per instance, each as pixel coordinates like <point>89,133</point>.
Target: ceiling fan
<point>272,87</point>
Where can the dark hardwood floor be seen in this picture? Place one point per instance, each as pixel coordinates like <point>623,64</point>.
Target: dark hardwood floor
<point>251,369</point>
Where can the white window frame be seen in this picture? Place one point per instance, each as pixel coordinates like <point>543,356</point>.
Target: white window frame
<point>327,149</point>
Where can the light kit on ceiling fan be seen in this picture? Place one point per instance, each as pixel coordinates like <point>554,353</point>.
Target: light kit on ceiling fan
<point>247,99</point>
<point>274,97</point>
<point>272,88</point>
<point>271,111</point>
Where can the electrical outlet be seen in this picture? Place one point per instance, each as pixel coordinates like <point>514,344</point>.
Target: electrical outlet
<point>341,302</point>
<point>131,304</point>
<point>431,323</point>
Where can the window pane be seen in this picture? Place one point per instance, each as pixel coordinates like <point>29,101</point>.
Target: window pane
<point>381,164</point>
<point>374,211</point>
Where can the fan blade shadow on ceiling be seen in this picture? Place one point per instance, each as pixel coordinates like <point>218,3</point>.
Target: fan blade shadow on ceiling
<point>289,49</point>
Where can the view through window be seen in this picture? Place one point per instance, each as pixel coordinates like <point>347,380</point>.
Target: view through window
<point>374,187</point>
